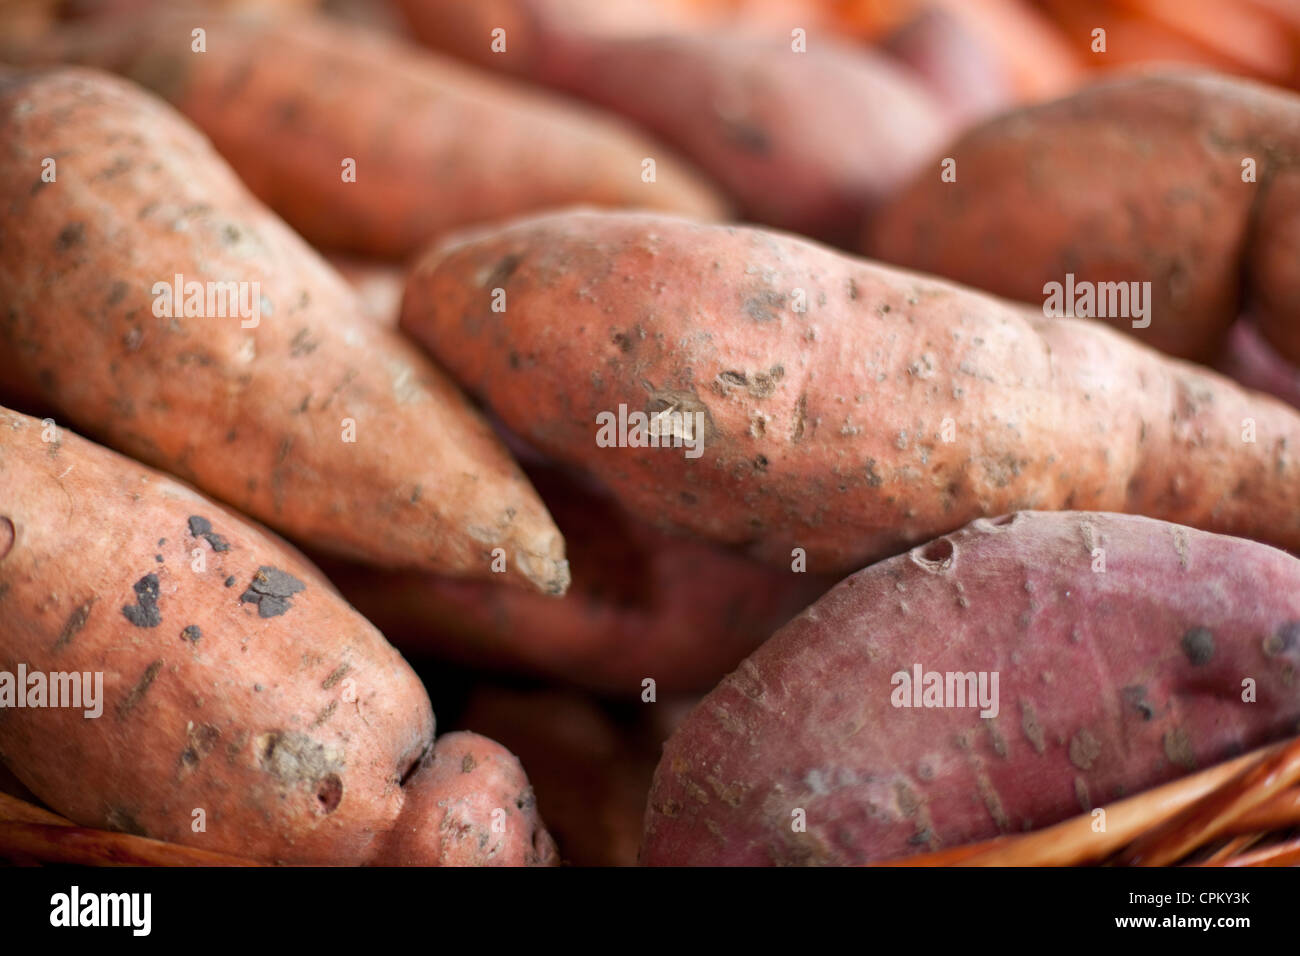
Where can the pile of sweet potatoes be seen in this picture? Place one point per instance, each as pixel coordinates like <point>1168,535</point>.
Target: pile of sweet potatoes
<point>576,386</point>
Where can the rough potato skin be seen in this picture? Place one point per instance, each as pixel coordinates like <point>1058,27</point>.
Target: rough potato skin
<point>1109,682</point>
<point>1137,178</point>
<point>214,697</point>
<point>287,98</point>
<point>644,604</point>
<point>254,416</point>
<point>471,805</point>
<point>826,429</point>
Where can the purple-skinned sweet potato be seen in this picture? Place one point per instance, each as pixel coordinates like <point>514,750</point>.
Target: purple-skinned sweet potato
<point>1126,652</point>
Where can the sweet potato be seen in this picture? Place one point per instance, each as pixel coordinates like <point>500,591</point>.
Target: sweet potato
<point>1037,193</point>
<point>232,678</point>
<point>963,74</point>
<point>534,30</point>
<point>589,763</point>
<point>313,419</point>
<point>643,605</point>
<point>473,806</point>
<point>808,141</point>
<point>894,408</point>
<point>1182,652</point>
<point>1250,360</point>
<point>289,100</point>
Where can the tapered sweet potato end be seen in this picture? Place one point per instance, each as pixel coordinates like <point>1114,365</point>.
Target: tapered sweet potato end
<point>469,805</point>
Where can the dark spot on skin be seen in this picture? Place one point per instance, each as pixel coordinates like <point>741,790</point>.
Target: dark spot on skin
<point>324,715</point>
<point>75,622</point>
<point>271,590</point>
<point>1198,645</point>
<point>330,793</point>
<point>504,270</point>
<point>760,463</point>
<point>230,581</point>
<point>336,675</point>
<point>1287,638</point>
<point>199,743</point>
<point>123,822</point>
<point>748,136</point>
<point>302,344</point>
<point>1136,697</point>
<point>191,633</point>
<point>144,613</point>
<point>467,763</point>
<point>71,235</point>
<point>415,495</point>
<point>200,527</point>
<point>116,294</point>
<point>764,306</point>
<point>873,479</point>
<point>139,690</point>
<point>623,341</point>
<point>158,558</point>
<point>161,542</point>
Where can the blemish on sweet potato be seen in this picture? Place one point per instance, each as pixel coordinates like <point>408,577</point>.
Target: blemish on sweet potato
<point>271,590</point>
<point>145,611</point>
<point>1198,646</point>
<point>1178,748</point>
<point>75,622</point>
<point>200,527</point>
<point>139,690</point>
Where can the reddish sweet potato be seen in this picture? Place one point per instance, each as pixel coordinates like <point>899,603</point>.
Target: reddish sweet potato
<point>288,100</point>
<point>963,74</point>
<point>809,141</point>
<point>314,419</point>
<point>892,409</point>
<point>1135,179</point>
<point>233,678</point>
<point>643,605</point>
<point>1250,360</point>
<point>806,140</point>
<point>1107,682</point>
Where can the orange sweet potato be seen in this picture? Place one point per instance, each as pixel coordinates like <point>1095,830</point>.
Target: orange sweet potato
<point>643,604</point>
<point>1108,653</point>
<point>1135,179</point>
<point>822,402</point>
<point>241,706</point>
<point>289,100</point>
<point>589,763</point>
<point>260,416</point>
